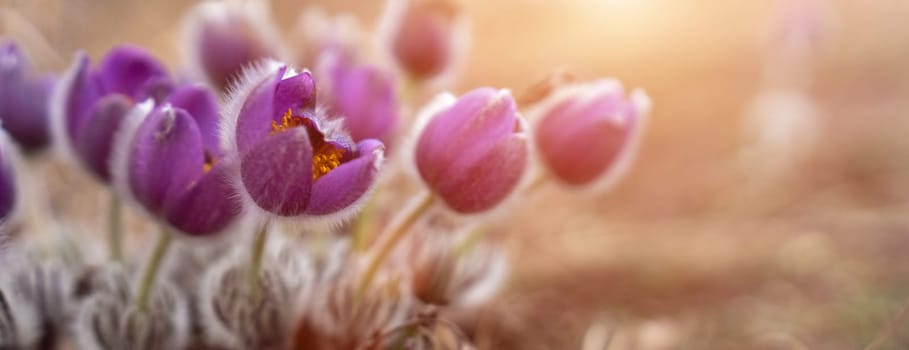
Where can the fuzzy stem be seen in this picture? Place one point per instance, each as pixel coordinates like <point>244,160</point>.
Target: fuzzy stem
<point>115,227</point>
<point>393,234</point>
<point>256,256</point>
<point>474,233</point>
<point>151,269</point>
<point>539,178</point>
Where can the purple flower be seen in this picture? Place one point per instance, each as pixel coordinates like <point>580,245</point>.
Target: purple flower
<point>223,38</point>
<point>8,186</point>
<point>424,36</point>
<point>364,96</point>
<point>173,165</point>
<point>294,161</point>
<point>23,99</point>
<point>90,103</point>
<point>590,131</point>
<point>473,150</point>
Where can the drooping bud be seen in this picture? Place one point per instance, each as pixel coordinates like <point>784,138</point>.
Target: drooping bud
<point>473,150</point>
<point>589,132</point>
<point>24,96</point>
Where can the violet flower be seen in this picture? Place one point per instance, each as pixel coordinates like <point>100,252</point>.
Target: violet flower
<point>224,37</point>
<point>294,161</point>
<point>589,132</point>
<point>24,96</point>
<point>89,103</point>
<point>425,37</point>
<point>172,163</point>
<point>473,150</point>
<point>364,96</point>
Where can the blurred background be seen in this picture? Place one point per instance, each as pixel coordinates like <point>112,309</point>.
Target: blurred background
<point>767,208</point>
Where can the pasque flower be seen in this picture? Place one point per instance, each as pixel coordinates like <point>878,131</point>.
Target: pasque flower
<point>293,160</point>
<point>363,95</point>
<point>89,104</point>
<point>224,37</point>
<point>24,98</point>
<point>473,150</point>
<point>590,131</point>
<point>173,164</point>
<point>424,36</point>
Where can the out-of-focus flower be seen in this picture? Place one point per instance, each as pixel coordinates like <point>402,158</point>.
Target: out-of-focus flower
<point>318,34</point>
<point>363,95</point>
<point>221,38</point>
<point>425,37</point>
<point>180,138</point>
<point>89,104</point>
<point>24,97</point>
<point>293,160</point>
<point>589,132</point>
<point>472,151</point>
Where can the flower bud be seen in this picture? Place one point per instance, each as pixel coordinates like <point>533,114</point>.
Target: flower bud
<point>224,37</point>
<point>590,131</point>
<point>89,104</point>
<point>293,160</point>
<point>424,35</point>
<point>24,97</point>
<point>473,150</point>
<point>364,96</point>
<point>179,138</point>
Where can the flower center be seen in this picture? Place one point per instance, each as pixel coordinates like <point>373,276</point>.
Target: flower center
<point>209,162</point>
<point>325,155</point>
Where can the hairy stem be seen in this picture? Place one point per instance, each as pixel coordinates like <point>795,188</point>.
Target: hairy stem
<point>151,269</point>
<point>115,227</point>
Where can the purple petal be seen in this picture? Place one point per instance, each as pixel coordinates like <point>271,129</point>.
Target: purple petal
<point>202,105</point>
<point>344,185</point>
<point>277,172</point>
<point>94,143</point>
<point>156,88</point>
<point>23,100</point>
<point>257,113</point>
<point>84,90</point>
<point>486,183</point>
<point>297,94</point>
<point>365,97</point>
<point>226,47</point>
<point>126,69</point>
<point>422,44</point>
<point>464,134</point>
<point>208,206</point>
<point>165,158</point>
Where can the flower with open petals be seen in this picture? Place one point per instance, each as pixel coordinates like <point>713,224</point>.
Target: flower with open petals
<point>224,37</point>
<point>589,132</point>
<point>363,95</point>
<point>89,104</point>
<point>473,150</point>
<point>172,163</point>
<point>293,160</point>
<point>24,98</point>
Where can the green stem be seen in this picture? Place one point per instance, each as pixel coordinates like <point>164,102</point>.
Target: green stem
<point>474,233</point>
<point>255,264</point>
<point>393,234</point>
<point>539,178</point>
<point>115,228</point>
<point>151,269</point>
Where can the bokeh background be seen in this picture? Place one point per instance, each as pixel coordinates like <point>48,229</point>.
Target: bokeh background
<point>709,242</point>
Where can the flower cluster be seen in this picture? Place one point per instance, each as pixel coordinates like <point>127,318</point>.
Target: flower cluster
<point>277,200</point>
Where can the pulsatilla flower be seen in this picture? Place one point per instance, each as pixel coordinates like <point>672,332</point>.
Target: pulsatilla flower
<point>89,104</point>
<point>425,37</point>
<point>473,151</point>
<point>588,133</point>
<point>294,161</point>
<point>223,37</point>
<point>24,98</point>
<point>364,96</point>
<point>179,139</point>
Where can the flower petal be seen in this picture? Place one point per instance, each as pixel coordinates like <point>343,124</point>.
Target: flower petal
<point>165,158</point>
<point>202,105</point>
<point>349,182</point>
<point>208,206</point>
<point>297,93</point>
<point>81,93</point>
<point>23,99</point>
<point>257,112</point>
<point>277,172</point>
<point>94,142</point>
<point>126,69</point>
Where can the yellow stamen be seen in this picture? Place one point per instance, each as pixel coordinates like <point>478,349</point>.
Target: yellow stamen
<point>326,157</point>
<point>287,121</point>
